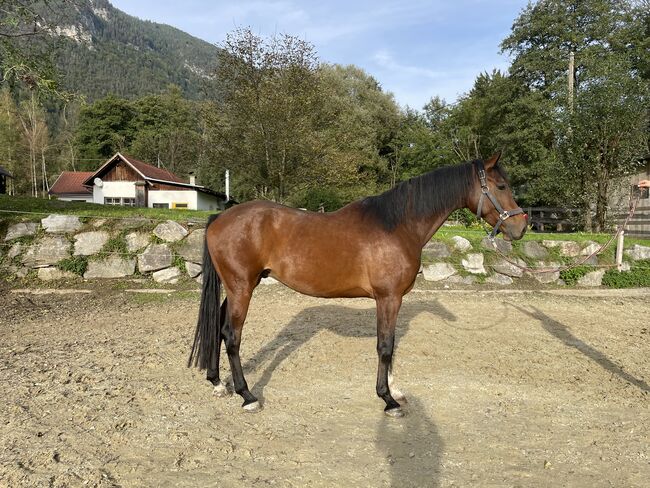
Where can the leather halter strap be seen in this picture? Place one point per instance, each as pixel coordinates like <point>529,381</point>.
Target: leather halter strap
<point>485,192</point>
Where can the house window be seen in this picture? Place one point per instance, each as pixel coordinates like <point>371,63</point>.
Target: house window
<point>179,205</point>
<point>124,202</point>
<point>161,205</point>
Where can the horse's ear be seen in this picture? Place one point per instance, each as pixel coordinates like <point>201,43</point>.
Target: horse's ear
<point>489,163</point>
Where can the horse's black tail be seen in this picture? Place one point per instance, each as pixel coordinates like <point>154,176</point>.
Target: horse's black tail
<point>207,338</point>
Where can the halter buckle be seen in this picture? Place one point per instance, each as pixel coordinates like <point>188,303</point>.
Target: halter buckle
<point>504,215</point>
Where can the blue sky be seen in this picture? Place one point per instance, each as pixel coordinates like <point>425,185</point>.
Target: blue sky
<point>416,49</point>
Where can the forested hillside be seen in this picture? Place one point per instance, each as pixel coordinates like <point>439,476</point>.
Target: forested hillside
<point>103,50</point>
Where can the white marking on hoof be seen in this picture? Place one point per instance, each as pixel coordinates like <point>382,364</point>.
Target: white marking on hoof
<point>253,407</point>
<point>395,412</point>
<point>221,390</point>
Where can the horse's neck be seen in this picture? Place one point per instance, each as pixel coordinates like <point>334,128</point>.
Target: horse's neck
<point>425,228</point>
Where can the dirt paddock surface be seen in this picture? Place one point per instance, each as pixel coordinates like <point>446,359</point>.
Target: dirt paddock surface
<point>504,389</point>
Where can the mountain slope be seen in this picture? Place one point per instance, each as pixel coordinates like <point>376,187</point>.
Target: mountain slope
<point>103,50</point>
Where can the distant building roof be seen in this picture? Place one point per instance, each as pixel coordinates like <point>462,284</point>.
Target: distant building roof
<point>5,172</point>
<point>71,182</point>
<point>149,173</point>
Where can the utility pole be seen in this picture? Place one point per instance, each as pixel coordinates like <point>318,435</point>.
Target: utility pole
<point>571,79</point>
<point>227,185</point>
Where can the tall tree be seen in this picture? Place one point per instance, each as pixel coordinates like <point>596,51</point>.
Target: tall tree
<point>599,120</point>
<point>105,127</point>
<point>266,125</point>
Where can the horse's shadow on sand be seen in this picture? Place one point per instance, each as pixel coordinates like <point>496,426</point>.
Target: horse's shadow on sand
<point>337,319</point>
<point>411,447</point>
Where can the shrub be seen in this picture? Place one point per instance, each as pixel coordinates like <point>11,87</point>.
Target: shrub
<point>328,197</point>
<point>74,264</point>
<point>572,275</point>
<point>638,276</point>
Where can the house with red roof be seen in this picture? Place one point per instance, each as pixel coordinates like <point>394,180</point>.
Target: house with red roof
<point>126,181</point>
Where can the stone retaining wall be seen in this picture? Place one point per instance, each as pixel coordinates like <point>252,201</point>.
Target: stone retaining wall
<point>65,247</point>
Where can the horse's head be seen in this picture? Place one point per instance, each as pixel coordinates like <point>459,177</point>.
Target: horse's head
<point>492,200</point>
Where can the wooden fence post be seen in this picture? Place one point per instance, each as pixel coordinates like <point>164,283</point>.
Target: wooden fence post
<point>620,242</point>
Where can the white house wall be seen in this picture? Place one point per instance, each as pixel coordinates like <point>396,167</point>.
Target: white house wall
<point>171,196</point>
<point>124,189</point>
<point>208,202</point>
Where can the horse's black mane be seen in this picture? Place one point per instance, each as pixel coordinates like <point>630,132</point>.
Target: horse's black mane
<point>437,191</point>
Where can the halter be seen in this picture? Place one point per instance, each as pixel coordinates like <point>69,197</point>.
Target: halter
<point>485,192</point>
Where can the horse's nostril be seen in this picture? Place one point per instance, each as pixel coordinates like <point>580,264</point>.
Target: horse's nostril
<point>526,216</point>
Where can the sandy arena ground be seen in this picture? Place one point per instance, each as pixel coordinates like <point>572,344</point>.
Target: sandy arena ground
<point>528,389</point>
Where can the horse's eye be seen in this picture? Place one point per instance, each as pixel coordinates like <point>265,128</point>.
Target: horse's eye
<point>501,186</point>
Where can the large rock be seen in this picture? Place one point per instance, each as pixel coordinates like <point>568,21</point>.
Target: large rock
<point>22,229</point>
<point>133,223</point>
<point>461,244</point>
<point>509,269</point>
<point>436,249</point>
<point>567,248</point>
<point>89,243</point>
<point>269,281</point>
<point>50,250</point>
<point>438,271</point>
<point>168,275</point>
<point>499,279</point>
<point>50,274</point>
<point>639,252</point>
<point>504,247</point>
<point>170,231</point>
<point>111,267</point>
<point>534,249</point>
<point>61,224</point>
<point>155,257</point>
<point>15,250</point>
<point>192,247</point>
<point>463,280</point>
<point>590,248</point>
<point>193,269</point>
<point>593,278</point>
<point>474,263</point>
<point>550,276</point>
<point>136,241</point>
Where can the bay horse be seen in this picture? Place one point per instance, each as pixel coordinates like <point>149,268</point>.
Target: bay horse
<point>369,248</point>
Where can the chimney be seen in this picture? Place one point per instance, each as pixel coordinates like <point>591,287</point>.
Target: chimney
<point>192,178</point>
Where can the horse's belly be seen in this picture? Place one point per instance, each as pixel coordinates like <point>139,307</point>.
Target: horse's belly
<point>324,280</point>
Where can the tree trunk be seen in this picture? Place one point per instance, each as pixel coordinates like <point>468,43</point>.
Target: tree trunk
<point>601,195</point>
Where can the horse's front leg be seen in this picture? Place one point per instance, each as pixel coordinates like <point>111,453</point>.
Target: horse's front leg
<point>387,310</point>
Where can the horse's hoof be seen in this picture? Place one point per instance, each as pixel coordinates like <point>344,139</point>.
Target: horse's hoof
<point>221,390</point>
<point>252,407</point>
<point>395,412</point>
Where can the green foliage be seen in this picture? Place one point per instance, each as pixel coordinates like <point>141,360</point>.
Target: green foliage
<point>464,216</point>
<point>328,198</point>
<point>179,262</point>
<point>114,245</point>
<point>638,276</point>
<point>74,264</point>
<point>572,275</point>
<point>45,207</point>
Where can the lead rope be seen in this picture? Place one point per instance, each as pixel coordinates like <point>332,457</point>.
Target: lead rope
<point>633,203</point>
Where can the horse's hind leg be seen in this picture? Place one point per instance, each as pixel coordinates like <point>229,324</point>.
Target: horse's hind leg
<point>220,387</point>
<point>237,309</point>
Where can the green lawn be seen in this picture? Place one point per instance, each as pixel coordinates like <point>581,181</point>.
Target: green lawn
<point>21,208</point>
